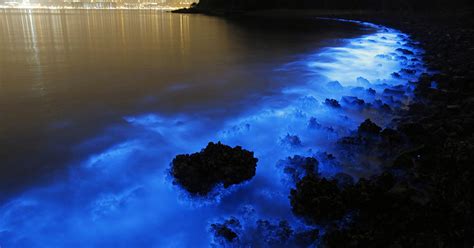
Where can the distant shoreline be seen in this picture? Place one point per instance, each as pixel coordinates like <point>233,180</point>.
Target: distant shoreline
<point>366,15</point>
<point>168,9</point>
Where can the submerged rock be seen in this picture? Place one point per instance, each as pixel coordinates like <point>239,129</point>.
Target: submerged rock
<point>297,167</point>
<point>261,233</point>
<point>333,103</point>
<point>313,123</point>
<point>353,101</point>
<point>274,235</point>
<point>405,51</point>
<point>371,91</point>
<point>291,140</point>
<point>335,85</point>
<point>393,91</point>
<point>227,230</point>
<point>396,75</point>
<point>408,71</point>
<point>200,172</point>
<point>381,106</point>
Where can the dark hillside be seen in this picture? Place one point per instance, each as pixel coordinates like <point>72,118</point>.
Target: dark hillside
<point>386,5</point>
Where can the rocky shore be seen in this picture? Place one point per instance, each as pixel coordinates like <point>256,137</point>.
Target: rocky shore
<point>425,197</point>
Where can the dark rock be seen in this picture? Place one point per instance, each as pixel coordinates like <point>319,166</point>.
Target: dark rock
<point>417,108</point>
<point>274,235</point>
<point>425,198</point>
<point>352,100</point>
<point>333,103</point>
<point>344,180</point>
<point>200,172</point>
<point>394,92</point>
<point>297,167</point>
<point>404,58</point>
<point>262,233</point>
<point>368,127</point>
<point>396,75</point>
<point>405,51</point>
<point>313,123</point>
<point>291,140</point>
<point>408,71</point>
<point>227,229</point>
<point>317,199</point>
<point>378,104</point>
<point>371,91</point>
<point>306,238</point>
<point>391,136</point>
<point>414,131</point>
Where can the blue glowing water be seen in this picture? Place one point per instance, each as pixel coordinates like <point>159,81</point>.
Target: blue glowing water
<point>124,197</point>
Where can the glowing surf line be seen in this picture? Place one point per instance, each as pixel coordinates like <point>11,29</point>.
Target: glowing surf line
<point>123,196</point>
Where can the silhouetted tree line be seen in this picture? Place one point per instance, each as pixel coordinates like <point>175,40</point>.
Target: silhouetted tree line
<point>409,5</point>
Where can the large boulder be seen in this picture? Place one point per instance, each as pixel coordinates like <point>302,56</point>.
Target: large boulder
<point>200,172</point>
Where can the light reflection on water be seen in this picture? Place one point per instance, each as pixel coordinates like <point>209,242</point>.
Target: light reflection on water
<point>65,75</point>
<point>123,196</point>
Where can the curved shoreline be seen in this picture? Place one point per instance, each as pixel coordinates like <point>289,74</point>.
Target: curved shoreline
<point>439,128</point>
<point>268,129</point>
<point>430,194</point>
<point>343,159</point>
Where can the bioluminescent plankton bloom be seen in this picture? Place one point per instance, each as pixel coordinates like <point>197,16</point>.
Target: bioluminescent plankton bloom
<point>119,188</point>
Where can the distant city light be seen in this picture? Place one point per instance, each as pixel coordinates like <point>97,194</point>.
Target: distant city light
<point>96,4</point>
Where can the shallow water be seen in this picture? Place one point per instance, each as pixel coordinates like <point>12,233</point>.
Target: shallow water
<point>66,75</point>
<point>112,102</point>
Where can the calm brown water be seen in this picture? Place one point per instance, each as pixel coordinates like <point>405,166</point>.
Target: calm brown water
<point>65,75</point>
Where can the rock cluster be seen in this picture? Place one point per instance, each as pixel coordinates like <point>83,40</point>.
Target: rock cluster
<point>261,233</point>
<point>317,199</point>
<point>201,172</point>
<point>369,127</point>
<point>424,197</point>
<point>332,103</point>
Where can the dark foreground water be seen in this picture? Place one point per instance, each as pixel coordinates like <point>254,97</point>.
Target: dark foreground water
<point>95,104</point>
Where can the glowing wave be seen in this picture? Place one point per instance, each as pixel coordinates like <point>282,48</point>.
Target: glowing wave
<point>123,196</point>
